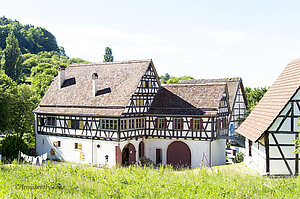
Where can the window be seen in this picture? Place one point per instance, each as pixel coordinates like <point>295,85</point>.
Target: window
<point>178,124</point>
<point>131,123</point>
<point>56,143</point>
<point>198,124</point>
<point>223,122</point>
<point>123,124</point>
<point>109,124</point>
<point>82,157</point>
<point>140,123</point>
<point>161,123</point>
<point>41,122</point>
<point>51,121</point>
<point>222,104</point>
<point>75,124</point>
<point>52,152</point>
<point>250,148</point>
<point>78,146</point>
<point>146,84</point>
<point>139,102</point>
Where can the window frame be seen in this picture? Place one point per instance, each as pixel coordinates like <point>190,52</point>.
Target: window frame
<point>53,121</point>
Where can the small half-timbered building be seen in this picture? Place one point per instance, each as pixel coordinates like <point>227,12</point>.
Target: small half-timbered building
<point>237,101</point>
<point>117,113</point>
<point>273,125</point>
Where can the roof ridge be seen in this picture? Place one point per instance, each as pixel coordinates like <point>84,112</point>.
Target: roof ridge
<point>194,84</point>
<point>111,63</point>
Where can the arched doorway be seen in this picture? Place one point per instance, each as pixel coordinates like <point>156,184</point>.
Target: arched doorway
<point>179,154</point>
<point>128,154</point>
<point>141,149</point>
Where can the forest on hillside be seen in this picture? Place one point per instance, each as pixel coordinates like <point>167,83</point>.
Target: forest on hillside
<point>29,61</point>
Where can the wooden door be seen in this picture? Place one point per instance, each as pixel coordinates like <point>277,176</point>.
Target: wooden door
<point>141,149</point>
<point>158,156</point>
<point>132,153</point>
<point>179,154</point>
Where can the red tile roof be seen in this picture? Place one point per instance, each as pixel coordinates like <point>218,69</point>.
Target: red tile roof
<point>268,108</point>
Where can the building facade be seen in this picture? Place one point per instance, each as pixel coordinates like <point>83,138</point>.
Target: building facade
<point>272,126</point>
<point>118,113</point>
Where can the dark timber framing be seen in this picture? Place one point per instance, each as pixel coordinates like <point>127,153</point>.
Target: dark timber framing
<point>289,114</point>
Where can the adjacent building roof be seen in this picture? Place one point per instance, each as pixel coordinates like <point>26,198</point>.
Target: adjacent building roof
<point>116,83</point>
<point>188,99</point>
<point>232,86</point>
<point>268,108</point>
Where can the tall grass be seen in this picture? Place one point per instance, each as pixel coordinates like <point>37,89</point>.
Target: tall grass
<point>69,181</point>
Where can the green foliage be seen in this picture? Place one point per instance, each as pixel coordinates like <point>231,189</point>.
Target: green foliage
<point>31,39</point>
<point>11,145</point>
<point>239,157</point>
<point>43,67</point>
<point>74,181</point>
<point>21,116</point>
<point>12,56</point>
<point>16,105</point>
<point>254,95</point>
<point>297,141</point>
<point>164,78</point>
<point>167,79</point>
<point>7,89</point>
<point>108,57</point>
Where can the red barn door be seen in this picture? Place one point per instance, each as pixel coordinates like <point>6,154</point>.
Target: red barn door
<point>179,154</point>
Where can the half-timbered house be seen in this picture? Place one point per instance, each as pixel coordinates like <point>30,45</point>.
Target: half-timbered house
<point>273,125</point>
<point>117,113</point>
<point>237,101</point>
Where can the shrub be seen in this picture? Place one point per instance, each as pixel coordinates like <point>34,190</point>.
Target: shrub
<point>239,157</point>
<point>10,147</point>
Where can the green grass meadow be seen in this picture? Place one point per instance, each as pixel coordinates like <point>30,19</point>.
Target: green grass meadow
<point>78,181</point>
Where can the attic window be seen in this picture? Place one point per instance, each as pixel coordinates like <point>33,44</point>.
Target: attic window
<point>146,84</point>
<point>222,104</point>
<point>140,102</point>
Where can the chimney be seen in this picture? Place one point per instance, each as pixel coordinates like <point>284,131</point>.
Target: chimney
<point>94,77</point>
<point>61,76</point>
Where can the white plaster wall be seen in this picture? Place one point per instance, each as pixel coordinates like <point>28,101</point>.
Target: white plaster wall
<point>97,155</point>
<point>218,152</point>
<point>257,161</point>
<point>197,148</point>
<point>68,152</point>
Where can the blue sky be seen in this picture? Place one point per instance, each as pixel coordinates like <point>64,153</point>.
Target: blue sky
<point>254,40</point>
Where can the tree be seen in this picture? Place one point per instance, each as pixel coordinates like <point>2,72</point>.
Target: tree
<point>7,89</point>
<point>12,57</point>
<point>167,79</point>
<point>108,57</point>
<point>254,95</point>
<point>62,51</point>
<point>42,76</point>
<point>25,100</point>
<point>31,39</point>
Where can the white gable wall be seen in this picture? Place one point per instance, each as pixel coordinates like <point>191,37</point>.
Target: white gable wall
<point>258,159</point>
